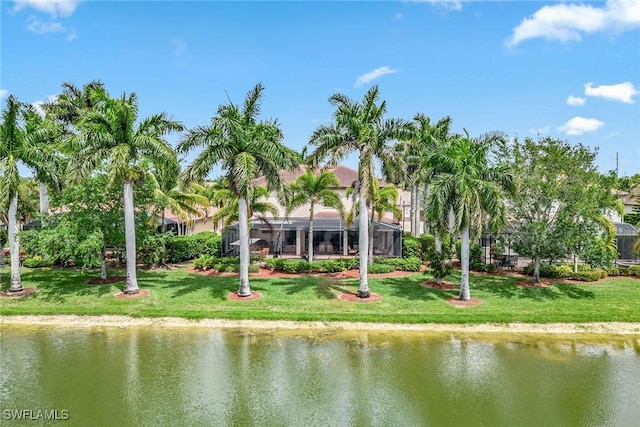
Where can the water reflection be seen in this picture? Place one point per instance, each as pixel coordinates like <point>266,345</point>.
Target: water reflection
<point>153,376</point>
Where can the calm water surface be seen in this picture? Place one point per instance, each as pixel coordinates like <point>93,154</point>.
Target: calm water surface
<point>138,376</point>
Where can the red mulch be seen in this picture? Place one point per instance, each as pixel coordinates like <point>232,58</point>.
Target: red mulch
<point>140,294</point>
<point>352,297</point>
<point>96,281</point>
<point>444,286</point>
<point>23,293</point>
<point>232,296</point>
<point>530,284</point>
<point>265,273</point>
<point>473,302</point>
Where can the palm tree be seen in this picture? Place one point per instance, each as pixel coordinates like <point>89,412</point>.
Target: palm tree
<point>359,127</point>
<point>246,148</point>
<point>229,213</point>
<point>182,200</point>
<point>110,135</point>
<point>381,200</point>
<point>467,184</point>
<point>17,146</point>
<point>315,190</point>
<point>47,134</point>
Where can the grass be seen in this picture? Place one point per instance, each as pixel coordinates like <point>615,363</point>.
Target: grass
<point>178,293</point>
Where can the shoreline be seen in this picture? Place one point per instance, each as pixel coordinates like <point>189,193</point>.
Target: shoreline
<point>122,322</point>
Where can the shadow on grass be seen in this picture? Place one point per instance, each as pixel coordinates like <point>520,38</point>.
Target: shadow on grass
<point>506,288</point>
<point>56,285</point>
<point>411,288</point>
<point>322,287</point>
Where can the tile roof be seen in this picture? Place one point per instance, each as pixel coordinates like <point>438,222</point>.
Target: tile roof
<point>345,175</point>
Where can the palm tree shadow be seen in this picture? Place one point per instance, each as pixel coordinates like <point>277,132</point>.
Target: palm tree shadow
<point>321,286</point>
<point>219,287</point>
<point>574,292</point>
<point>411,288</point>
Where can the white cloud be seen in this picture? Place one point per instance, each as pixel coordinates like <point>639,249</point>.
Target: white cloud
<point>566,22</point>
<point>623,92</point>
<point>543,130</point>
<point>37,26</point>
<point>52,7</point>
<point>38,104</point>
<point>579,125</point>
<point>445,4</point>
<point>372,75</point>
<point>3,93</point>
<point>576,101</point>
<point>398,16</point>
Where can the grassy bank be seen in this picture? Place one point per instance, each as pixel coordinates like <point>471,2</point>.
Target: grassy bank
<point>178,293</point>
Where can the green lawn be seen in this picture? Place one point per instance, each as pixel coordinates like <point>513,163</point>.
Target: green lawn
<point>177,293</point>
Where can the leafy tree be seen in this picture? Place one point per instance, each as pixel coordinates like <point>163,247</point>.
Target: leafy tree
<point>362,128</point>
<point>560,198</point>
<point>246,148</point>
<point>17,145</point>
<point>111,136</point>
<point>315,190</point>
<point>469,185</point>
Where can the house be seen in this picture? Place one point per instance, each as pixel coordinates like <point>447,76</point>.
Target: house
<point>332,236</point>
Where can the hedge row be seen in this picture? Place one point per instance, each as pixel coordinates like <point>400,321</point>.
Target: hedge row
<point>403,264</point>
<point>186,248</point>
<point>585,272</point>
<point>222,265</point>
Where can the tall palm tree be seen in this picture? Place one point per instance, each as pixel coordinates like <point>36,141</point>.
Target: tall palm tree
<point>17,145</point>
<point>381,200</point>
<point>110,135</point>
<point>467,184</point>
<point>362,128</point>
<point>315,190</point>
<point>47,134</point>
<point>246,149</point>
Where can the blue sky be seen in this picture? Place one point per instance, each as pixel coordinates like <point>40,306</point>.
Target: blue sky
<point>570,70</point>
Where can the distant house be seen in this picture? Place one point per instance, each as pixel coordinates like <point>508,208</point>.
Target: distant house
<point>289,235</point>
<point>630,201</point>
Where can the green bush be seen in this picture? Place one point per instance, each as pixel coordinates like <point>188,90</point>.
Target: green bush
<point>427,245</point>
<point>589,275</point>
<point>294,266</point>
<point>205,262</point>
<point>614,271</point>
<point>326,266</point>
<point>186,248</point>
<point>551,271</point>
<point>403,264</point>
<point>633,270</point>
<point>37,261</point>
<point>377,268</point>
<point>410,247</point>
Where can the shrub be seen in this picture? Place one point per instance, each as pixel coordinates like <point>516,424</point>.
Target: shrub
<point>403,264</point>
<point>614,271</point>
<point>326,266</point>
<point>378,268</point>
<point>37,261</point>
<point>427,245</point>
<point>589,275</point>
<point>551,271</point>
<point>633,270</point>
<point>205,262</point>
<point>294,266</point>
<point>253,268</point>
<point>153,249</point>
<point>185,248</point>
<point>410,247</point>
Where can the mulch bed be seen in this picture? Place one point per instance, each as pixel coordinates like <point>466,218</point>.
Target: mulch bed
<point>23,293</point>
<point>473,302</point>
<point>232,296</point>
<point>352,297</point>
<point>140,294</point>
<point>530,284</point>
<point>444,286</point>
<point>96,281</point>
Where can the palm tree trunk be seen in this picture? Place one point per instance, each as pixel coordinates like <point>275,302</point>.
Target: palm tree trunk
<point>413,209</point>
<point>103,263</point>
<point>370,246</point>
<point>131,286</point>
<point>243,290</point>
<point>44,200</point>
<point>14,245</point>
<point>438,248</point>
<point>418,210</point>
<point>310,253</point>
<point>425,193</point>
<point>363,241</point>
<point>465,294</point>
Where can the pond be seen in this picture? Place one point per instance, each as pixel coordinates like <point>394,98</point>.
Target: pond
<point>152,376</point>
